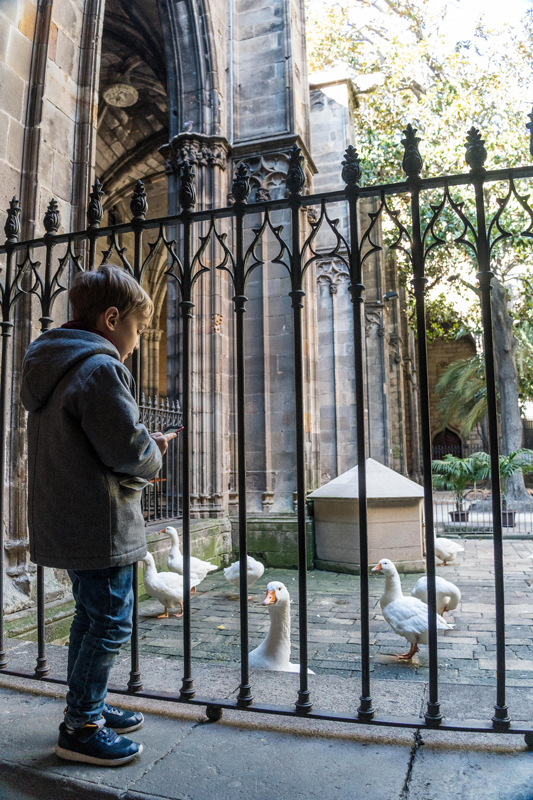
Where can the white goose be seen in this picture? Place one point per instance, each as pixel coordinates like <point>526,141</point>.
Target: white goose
<point>407,616</point>
<point>254,571</point>
<point>274,652</point>
<point>448,595</point>
<point>198,568</point>
<point>446,550</point>
<point>167,587</point>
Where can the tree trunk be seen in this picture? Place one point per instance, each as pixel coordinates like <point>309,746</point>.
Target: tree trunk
<point>504,350</point>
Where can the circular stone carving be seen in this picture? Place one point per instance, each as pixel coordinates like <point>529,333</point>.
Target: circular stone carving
<point>121,95</point>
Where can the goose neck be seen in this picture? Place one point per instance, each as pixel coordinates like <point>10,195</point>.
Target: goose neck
<point>393,589</point>
<point>278,639</point>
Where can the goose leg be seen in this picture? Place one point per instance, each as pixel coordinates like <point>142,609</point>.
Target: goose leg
<point>444,564</point>
<point>163,616</point>
<point>408,656</point>
<point>179,615</point>
<point>193,590</point>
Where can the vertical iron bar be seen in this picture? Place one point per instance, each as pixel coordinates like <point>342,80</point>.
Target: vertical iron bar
<point>412,165</point>
<point>245,697</point>
<point>6,333</point>
<point>352,175</point>
<point>138,207</point>
<point>500,720</point>
<point>12,230</point>
<point>433,715</point>
<point>51,223</point>
<point>295,183</point>
<point>187,691</point>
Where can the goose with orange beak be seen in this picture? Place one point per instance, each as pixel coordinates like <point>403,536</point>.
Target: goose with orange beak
<point>274,652</point>
<point>407,616</point>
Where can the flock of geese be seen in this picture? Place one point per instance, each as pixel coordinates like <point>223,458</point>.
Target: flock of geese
<point>407,616</point>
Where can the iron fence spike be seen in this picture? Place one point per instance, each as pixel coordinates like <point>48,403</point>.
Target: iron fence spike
<point>95,211</point>
<point>139,203</point>
<point>187,192</point>
<point>412,160</point>
<point>12,225</point>
<point>295,179</point>
<point>351,167</point>
<point>241,183</point>
<point>52,217</point>
<point>476,153</point>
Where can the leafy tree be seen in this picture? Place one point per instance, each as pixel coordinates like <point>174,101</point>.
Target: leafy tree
<point>407,72</point>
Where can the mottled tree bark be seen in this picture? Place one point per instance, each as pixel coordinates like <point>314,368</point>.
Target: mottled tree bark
<point>505,353</point>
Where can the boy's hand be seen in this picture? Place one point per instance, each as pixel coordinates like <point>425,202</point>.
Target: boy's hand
<point>162,440</point>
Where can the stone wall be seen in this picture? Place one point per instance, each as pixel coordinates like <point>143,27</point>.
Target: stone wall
<point>442,353</point>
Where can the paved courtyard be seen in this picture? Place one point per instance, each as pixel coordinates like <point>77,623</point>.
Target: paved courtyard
<point>466,654</point>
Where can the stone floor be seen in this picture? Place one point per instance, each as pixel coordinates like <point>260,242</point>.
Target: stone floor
<point>466,654</point>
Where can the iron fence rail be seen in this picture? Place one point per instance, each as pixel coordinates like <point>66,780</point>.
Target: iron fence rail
<point>189,257</point>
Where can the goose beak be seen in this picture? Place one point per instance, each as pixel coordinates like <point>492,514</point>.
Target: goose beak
<point>377,568</point>
<point>270,598</point>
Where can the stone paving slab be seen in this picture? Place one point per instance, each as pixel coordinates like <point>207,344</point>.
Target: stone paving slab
<point>466,654</point>
<point>254,756</point>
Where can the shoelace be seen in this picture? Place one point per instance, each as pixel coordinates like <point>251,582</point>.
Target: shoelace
<point>106,735</point>
<point>112,710</point>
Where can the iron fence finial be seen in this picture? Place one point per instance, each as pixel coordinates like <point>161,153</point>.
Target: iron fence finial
<point>295,179</point>
<point>95,211</point>
<point>241,183</point>
<point>52,217</point>
<point>12,226</point>
<point>187,193</point>
<point>351,167</point>
<point>475,150</point>
<point>139,203</point>
<point>412,160</point>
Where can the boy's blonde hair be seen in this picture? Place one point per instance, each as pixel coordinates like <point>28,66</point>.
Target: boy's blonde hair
<point>93,292</point>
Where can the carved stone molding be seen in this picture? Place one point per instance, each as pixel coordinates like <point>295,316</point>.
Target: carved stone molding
<point>195,148</point>
<point>332,272</point>
<point>267,501</point>
<point>267,176</point>
<point>373,320</point>
<point>395,344</point>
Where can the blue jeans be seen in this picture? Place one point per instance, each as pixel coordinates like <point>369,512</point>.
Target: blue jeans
<point>102,623</point>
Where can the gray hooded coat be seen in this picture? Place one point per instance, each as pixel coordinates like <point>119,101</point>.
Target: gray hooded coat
<point>84,438</point>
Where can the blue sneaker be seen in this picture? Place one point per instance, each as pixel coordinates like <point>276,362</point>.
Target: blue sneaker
<point>95,744</point>
<point>122,721</point>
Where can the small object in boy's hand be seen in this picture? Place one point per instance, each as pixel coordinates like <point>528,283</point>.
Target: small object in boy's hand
<point>173,429</point>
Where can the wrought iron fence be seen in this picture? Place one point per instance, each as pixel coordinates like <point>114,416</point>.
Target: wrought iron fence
<point>162,498</point>
<point>186,238</point>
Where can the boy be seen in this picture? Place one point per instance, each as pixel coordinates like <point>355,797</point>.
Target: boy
<point>87,449</point>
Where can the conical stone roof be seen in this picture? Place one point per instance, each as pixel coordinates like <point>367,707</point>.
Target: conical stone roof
<point>381,482</point>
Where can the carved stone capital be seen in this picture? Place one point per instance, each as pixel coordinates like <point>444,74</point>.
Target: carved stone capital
<point>195,148</point>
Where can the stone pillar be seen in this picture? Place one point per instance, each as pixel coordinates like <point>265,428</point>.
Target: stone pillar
<point>150,362</point>
<point>212,314</point>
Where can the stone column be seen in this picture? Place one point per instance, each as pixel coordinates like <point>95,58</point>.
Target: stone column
<point>150,362</point>
<point>210,345</point>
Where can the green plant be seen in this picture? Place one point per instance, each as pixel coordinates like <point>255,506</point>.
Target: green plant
<point>518,462</point>
<point>455,473</point>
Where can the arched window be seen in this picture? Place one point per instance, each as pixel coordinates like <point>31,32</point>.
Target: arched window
<point>446,442</point>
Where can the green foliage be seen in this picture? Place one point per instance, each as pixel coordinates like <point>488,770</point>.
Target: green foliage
<point>455,473</point>
<point>463,394</point>
<point>519,462</point>
<point>395,50</point>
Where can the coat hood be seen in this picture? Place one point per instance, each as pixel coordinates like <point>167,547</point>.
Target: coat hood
<point>51,356</point>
